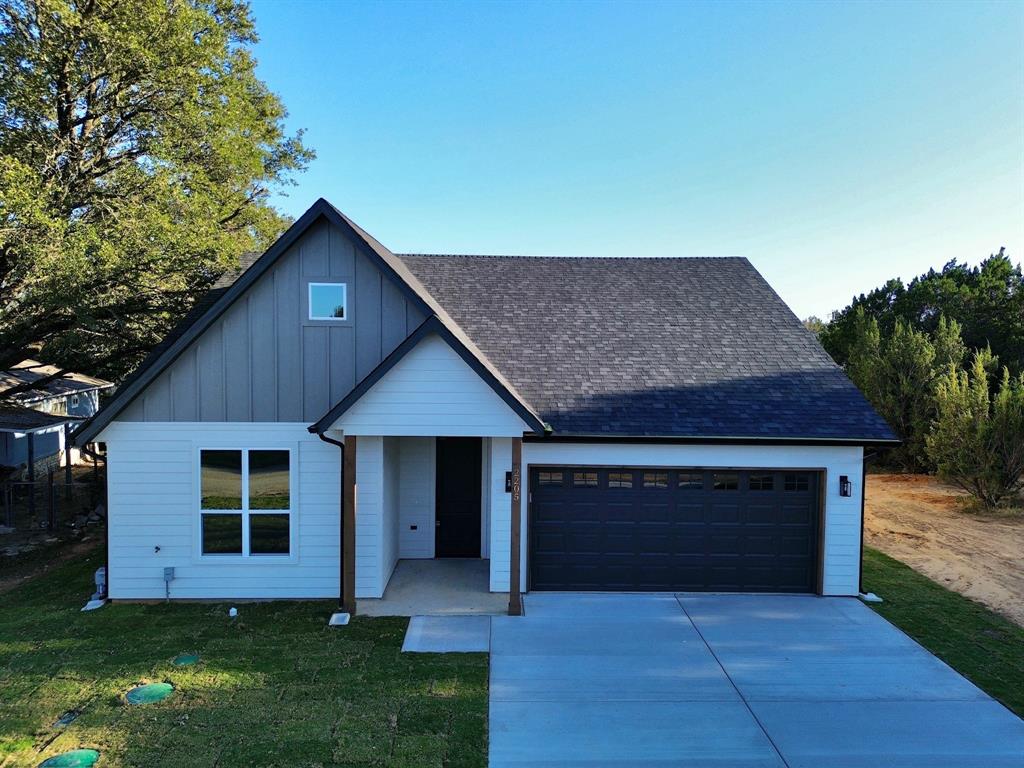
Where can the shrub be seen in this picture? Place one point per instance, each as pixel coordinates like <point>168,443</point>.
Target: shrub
<point>977,439</point>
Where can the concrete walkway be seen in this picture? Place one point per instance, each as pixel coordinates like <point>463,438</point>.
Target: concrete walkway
<point>731,682</point>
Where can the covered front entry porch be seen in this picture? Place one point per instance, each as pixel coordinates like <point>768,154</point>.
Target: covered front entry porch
<point>428,525</point>
<point>439,587</point>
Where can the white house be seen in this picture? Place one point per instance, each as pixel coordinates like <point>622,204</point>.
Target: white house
<point>624,424</point>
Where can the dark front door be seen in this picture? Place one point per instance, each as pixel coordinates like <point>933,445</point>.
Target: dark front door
<point>458,497</point>
<point>661,529</point>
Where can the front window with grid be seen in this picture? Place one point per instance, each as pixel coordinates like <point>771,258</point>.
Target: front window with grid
<point>245,502</point>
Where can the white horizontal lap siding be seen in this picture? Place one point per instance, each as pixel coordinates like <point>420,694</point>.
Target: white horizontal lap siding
<point>417,476</point>
<point>389,508</point>
<point>369,516</point>
<point>431,391</point>
<point>500,450</point>
<point>153,502</point>
<point>842,514</point>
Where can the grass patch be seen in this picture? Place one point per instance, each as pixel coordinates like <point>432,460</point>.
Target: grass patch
<point>977,642</point>
<point>274,687</point>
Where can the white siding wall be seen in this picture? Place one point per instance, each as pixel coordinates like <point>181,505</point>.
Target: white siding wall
<point>842,514</point>
<point>154,502</point>
<point>390,507</point>
<point>431,391</point>
<point>369,516</point>
<point>501,512</point>
<point>417,477</point>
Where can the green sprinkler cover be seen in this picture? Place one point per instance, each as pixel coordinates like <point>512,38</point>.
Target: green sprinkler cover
<point>76,758</point>
<point>185,659</point>
<point>149,694</point>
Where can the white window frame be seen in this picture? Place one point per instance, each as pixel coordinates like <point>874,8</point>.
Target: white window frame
<point>344,301</point>
<point>74,398</point>
<point>245,512</point>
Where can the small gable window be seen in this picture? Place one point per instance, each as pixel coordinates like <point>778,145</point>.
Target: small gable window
<point>328,301</point>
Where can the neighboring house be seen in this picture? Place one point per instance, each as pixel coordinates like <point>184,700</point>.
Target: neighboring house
<point>583,423</point>
<point>36,423</point>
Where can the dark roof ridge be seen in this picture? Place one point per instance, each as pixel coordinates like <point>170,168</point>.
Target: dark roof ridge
<point>568,258</point>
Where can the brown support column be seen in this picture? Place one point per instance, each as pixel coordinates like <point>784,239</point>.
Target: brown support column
<point>348,527</point>
<point>515,597</point>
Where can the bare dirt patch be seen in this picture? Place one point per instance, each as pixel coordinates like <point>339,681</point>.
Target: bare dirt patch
<point>922,522</point>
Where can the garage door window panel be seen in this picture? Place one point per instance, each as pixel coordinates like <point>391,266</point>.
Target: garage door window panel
<point>620,480</point>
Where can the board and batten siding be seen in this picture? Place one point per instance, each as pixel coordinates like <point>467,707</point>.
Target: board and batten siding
<point>431,391</point>
<point>842,514</point>
<point>264,361</point>
<point>153,501</point>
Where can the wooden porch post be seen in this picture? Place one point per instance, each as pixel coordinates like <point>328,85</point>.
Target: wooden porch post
<point>515,598</point>
<point>348,527</point>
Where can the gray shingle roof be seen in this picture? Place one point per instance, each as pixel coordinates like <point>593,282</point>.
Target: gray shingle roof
<point>683,347</point>
<point>29,370</point>
<point>16,418</point>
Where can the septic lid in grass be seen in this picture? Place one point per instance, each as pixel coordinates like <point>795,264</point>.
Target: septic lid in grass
<point>185,659</point>
<point>76,758</point>
<point>149,694</point>
<point>67,718</point>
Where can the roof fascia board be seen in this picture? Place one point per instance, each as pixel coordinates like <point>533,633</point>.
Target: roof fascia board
<point>431,325</point>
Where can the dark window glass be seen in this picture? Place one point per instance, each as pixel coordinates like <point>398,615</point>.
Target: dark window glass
<point>327,301</point>
<point>584,479</point>
<point>221,479</point>
<point>268,534</point>
<point>726,481</point>
<point>620,479</point>
<point>691,480</point>
<point>796,482</point>
<point>761,482</point>
<point>550,478</point>
<point>655,479</point>
<point>222,534</point>
<point>268,480</point>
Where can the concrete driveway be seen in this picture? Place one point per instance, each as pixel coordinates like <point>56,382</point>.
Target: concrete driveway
<point>730,681</point>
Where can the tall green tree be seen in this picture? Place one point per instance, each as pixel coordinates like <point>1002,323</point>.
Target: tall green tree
<point>987,301</point>
<point>138,150</point>
<point>899,373</point>
<point>977,440</point>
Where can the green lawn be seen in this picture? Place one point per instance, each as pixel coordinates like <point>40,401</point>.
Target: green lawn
<point>977,642</point>
<point>275,686</point>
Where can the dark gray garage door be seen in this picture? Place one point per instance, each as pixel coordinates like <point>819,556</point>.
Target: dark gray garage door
<point>655,529</point>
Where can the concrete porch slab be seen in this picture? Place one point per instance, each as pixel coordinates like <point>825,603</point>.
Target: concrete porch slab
<point>448,634</point>
<point>444,587</point>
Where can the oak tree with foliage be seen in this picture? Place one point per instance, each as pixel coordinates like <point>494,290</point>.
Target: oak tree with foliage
<point>977,441</point>
<point>138,150</point>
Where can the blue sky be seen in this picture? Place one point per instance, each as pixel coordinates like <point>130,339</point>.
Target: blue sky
<point>834,145</point>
